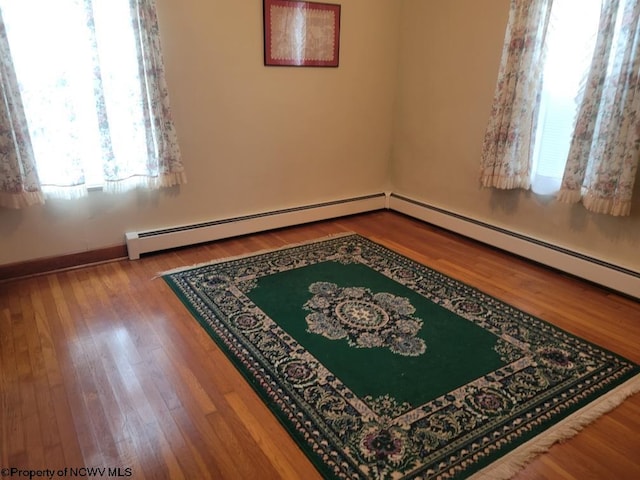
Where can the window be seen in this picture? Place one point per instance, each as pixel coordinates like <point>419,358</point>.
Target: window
<point>570,43</point>
<point>55,70</point>
<point>566,104</point>
<point>91,84</point>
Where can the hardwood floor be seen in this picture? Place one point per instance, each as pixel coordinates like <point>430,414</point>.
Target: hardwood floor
<point>104,367</point>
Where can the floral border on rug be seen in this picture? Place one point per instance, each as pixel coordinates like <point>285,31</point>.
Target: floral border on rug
<point>549,374</point>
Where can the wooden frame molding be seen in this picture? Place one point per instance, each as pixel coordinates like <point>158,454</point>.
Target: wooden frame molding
<point>63,262</point>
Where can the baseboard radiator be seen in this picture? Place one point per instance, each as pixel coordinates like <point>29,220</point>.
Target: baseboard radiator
<point>597,271</point>
<point>603,273</point>
<point>165,238</point>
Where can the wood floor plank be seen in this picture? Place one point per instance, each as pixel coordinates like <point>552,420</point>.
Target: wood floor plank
<point>243,457</point>
<point>104,366</point>
<point>270,440</point>
<point>199,439</point>
<point>78,375</point>
<point>11,413</point>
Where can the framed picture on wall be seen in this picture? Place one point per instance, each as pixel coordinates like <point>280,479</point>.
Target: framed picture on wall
<point>301,34</point>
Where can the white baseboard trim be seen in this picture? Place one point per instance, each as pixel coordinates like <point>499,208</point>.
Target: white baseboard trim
<point>178,236</point>
<point>612,276</point>
<point>603,273</point>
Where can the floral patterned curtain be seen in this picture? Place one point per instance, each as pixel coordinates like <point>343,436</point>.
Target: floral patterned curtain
<point>19,186</point>
<point>603,157</point>
<point>82,106</point>
<point>165,167</point>
<point>508,142</point>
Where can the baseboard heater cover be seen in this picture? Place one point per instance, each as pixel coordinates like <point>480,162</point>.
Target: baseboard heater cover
<point>179,236</point>
<point>597,271</point>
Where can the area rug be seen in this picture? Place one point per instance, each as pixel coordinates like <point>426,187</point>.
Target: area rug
<point>380,367</point>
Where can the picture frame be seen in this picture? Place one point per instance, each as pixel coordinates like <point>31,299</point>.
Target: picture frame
<point>301,33</point>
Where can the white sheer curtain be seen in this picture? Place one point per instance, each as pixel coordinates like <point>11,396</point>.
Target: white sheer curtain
<point>91,81</point>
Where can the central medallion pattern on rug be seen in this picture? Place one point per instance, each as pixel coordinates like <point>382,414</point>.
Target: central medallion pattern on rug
<point>365,319</point>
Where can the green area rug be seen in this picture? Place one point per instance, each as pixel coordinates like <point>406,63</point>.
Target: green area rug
<point>380,367</point>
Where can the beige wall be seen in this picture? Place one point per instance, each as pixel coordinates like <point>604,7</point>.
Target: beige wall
<point>253,138</point>
<point>449,58</point>
<point>256,139</point>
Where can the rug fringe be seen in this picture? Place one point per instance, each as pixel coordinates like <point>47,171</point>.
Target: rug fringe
<point>251,254</point>
<point>509,465</point>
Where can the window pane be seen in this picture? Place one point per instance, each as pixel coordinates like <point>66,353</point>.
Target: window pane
<point>570,44</point>
<point>121,83</point>
<point>49,46</point>
<point>81,88</point>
